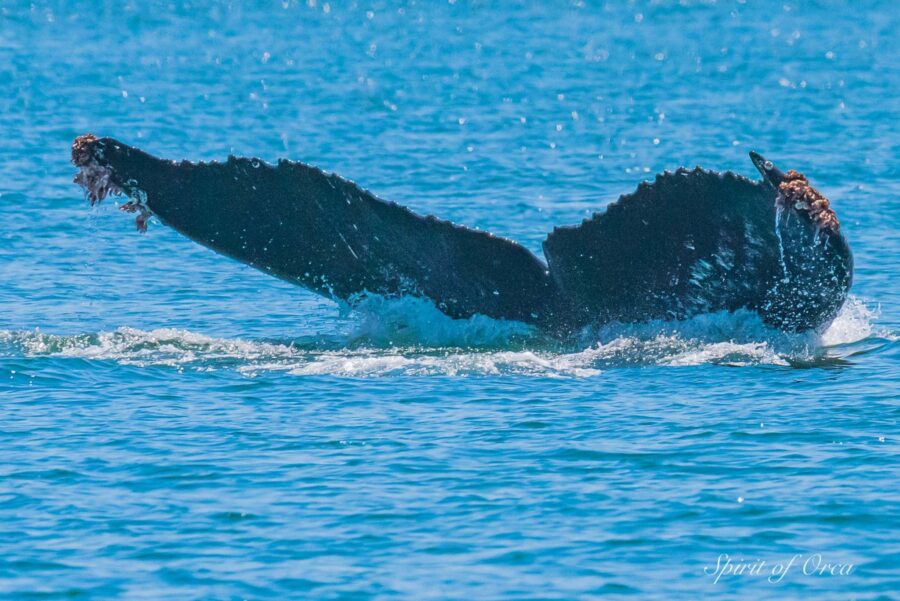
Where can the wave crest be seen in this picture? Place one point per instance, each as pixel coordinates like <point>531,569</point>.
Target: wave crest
<point>411,337</point>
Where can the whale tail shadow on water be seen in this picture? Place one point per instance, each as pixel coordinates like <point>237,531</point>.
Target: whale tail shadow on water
<point>690,242</point>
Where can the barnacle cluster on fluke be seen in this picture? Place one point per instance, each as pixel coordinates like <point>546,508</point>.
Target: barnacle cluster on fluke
<point>797,193</point>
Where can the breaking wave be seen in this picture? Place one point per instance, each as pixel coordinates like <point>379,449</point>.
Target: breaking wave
<point>410,337</point>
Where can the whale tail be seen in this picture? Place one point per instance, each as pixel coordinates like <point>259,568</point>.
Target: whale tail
<point>322,231</point>
<point>689,242</point>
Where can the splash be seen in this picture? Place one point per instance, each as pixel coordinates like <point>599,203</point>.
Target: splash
<point>412,321</point>
<point>855,322</point>
<point>410,337</point>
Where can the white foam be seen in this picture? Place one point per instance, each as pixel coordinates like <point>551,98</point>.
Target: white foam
<point>130,346</point>
<point>449,364</point>
<point>408,337</point>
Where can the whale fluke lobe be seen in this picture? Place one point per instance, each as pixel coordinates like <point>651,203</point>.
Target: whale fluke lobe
<point>323,232</point>
<point>689,242</point>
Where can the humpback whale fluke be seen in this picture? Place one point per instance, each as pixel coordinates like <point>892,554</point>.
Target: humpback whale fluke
<point>689,242</point>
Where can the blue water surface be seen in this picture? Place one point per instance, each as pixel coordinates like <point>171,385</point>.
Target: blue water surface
<point>174,425</point>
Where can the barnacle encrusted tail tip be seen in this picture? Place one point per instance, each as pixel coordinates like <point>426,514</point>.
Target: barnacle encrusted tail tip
<point>797,193</point>
<point>81,153</point>
<point>96,179</point>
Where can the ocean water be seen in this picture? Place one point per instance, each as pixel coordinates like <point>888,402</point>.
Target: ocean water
<point>174,425</point>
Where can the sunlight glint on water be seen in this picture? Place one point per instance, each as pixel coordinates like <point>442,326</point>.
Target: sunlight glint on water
<point>176,426</point>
